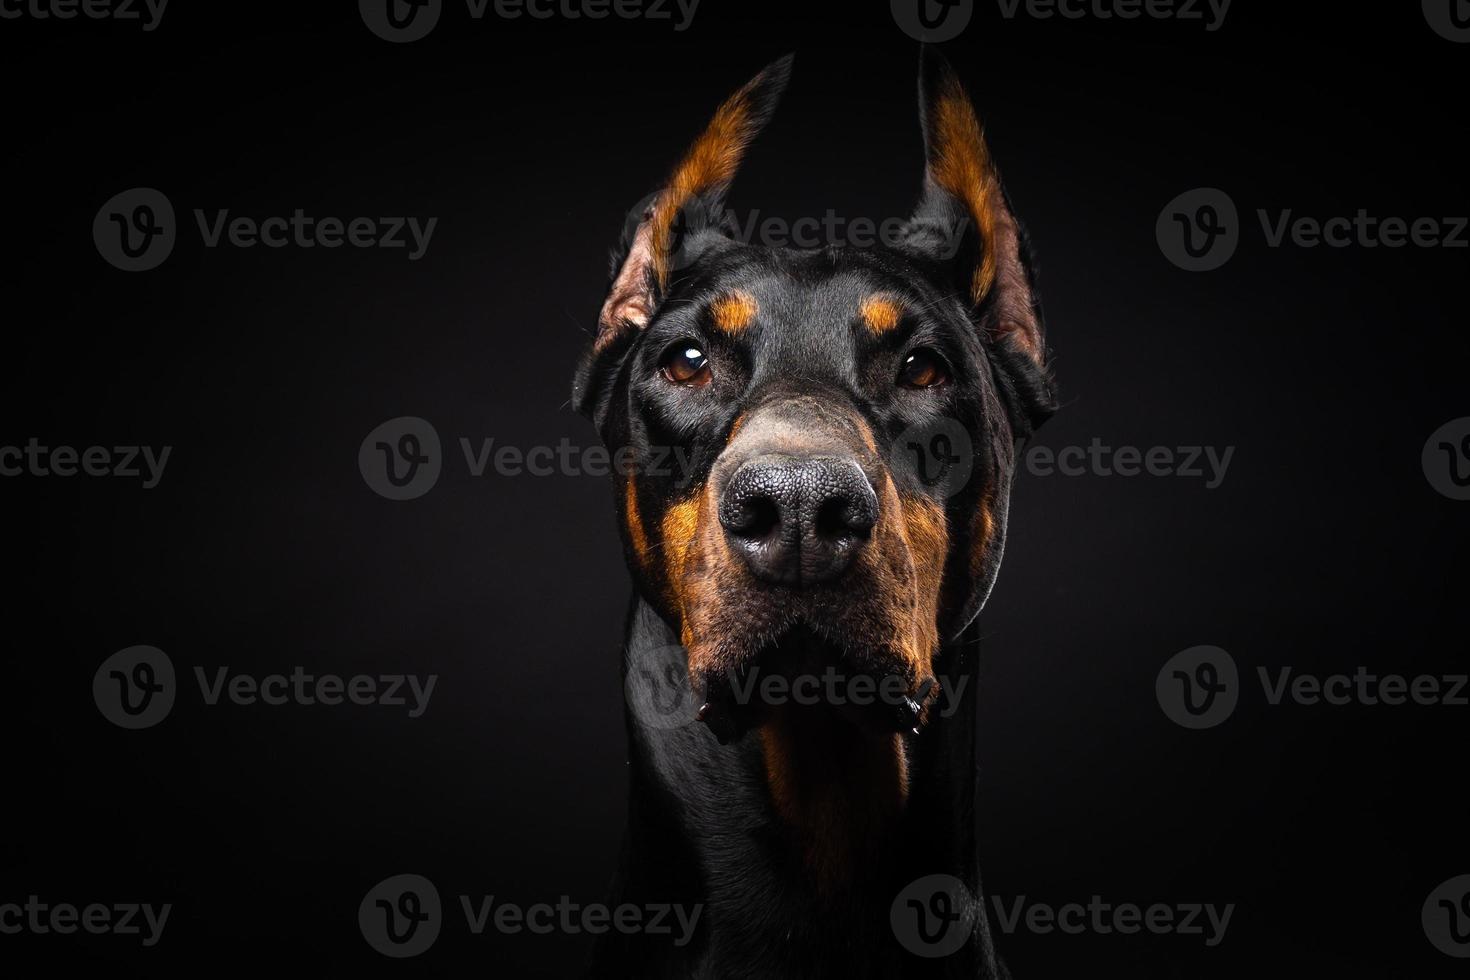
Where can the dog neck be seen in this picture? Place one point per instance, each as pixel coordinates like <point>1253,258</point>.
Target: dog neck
<point>705,828</point>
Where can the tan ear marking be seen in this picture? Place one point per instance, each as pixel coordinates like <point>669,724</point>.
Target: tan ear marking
<point>710,164</point>
<point>962,166</point>
<point>695,192</point>
<point>628,303</point>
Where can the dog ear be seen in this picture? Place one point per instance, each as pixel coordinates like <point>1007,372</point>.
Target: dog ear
<point>661,238</point>
<point>964,221</point>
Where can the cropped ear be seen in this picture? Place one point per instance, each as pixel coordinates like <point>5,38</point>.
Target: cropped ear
<point>690,203</point>
<point>963,201</point>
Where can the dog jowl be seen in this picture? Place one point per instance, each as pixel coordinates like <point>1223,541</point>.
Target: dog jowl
<point>804,543</point>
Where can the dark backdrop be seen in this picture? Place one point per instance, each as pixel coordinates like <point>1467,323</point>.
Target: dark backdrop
<point>262,548</point>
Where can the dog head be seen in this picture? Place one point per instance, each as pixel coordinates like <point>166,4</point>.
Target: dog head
<point>822,440</point>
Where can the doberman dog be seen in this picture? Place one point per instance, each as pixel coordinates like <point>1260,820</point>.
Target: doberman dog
<point>820,397</point>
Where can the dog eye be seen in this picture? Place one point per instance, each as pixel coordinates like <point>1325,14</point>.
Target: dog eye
<point>923,368</point>
<point>685,364</point>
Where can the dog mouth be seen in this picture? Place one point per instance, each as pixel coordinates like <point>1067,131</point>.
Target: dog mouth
<point>807,674</point>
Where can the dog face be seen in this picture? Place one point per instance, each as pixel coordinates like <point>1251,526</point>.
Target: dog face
<point>814,400</point>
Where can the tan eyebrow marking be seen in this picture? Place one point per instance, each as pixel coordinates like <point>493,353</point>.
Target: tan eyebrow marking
<point>881,312</point>
<point>734,311</point>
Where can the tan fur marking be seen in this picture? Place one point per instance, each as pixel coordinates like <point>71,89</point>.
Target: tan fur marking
<point>839,790</point>
<point>962,167</point>
<point>987,523</point>
<point>680,523</point>
<point>709,165</point>
<point>982,531</point>
<point>880,313</point>
<point>961,164</point>
<point>926,535</point>
<point>734,311</point>
<point>634,521</point>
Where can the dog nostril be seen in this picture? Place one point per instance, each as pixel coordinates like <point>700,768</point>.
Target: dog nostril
<point>752,517</point>
<point>840,518</point>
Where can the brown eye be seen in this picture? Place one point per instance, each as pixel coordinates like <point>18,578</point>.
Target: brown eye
<point>685,364</point>
<point>923,368</point>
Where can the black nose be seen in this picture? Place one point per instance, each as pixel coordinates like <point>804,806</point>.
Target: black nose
<point>798,520</point>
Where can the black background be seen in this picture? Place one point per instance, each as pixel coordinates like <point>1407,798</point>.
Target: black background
<point>1325,548</point>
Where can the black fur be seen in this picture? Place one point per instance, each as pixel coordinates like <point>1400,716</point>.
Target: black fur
<point>701,824</point>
